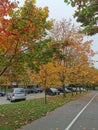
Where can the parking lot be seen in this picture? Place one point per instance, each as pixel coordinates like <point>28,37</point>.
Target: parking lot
<point>3,100</point>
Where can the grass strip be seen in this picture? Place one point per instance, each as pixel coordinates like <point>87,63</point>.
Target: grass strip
<point>15,115</point>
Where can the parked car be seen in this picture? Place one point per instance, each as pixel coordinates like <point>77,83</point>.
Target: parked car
<point>83,89</point>
<point>36,90</point>
<point>67,90</point>
<point>52,91</point>
<point>39,89</point>
<point>16,94</point>
<point>72,88</point>
<point>62,91</point>
<point>76,89</point>
<point>80,89</point>
<point>2,93</point>
<point>27,90</point>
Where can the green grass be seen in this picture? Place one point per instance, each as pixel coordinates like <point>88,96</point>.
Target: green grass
<point>15,115</point>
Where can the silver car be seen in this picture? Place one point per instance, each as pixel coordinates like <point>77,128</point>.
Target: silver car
<point>16,94</point>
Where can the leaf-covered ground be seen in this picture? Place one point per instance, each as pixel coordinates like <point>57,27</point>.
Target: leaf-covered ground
<point>17,114</point>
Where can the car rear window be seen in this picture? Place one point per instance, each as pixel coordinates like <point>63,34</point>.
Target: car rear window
<point>19,91</point>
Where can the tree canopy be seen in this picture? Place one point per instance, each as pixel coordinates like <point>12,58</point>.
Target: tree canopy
<point>86,13</point>
<point>20,29</point>
<point>36,50</point>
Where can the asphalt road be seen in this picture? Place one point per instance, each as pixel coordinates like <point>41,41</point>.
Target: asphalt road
<point>76,115</point>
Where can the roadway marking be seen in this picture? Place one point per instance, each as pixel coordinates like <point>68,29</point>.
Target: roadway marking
<point>73,121</point>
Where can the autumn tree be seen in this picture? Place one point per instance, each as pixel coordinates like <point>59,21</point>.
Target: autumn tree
<point>87,14</point>
<point>93,78</point>
<point>71,51</point>
<point>47,76</point>
<point>61,33</point>
<point>5,9</point>
<point>20,31</point>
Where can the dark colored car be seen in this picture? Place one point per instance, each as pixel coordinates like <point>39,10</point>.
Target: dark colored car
<point>39,89</point>
<point>72,87</point>
<point>36,90</point>
<point>60,89</point>
<point>27,90</point>
<point>52,91</point>
<point>2,93</point>
<point>65,88</point>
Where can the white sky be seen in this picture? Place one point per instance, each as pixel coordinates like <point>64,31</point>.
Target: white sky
<point>59,10</point>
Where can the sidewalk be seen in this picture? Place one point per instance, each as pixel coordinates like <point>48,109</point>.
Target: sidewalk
<point>61,117</point>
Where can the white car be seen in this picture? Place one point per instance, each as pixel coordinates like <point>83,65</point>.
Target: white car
<point>16,94</point>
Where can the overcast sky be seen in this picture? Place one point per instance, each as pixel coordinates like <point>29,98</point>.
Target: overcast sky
<point>59,10</point>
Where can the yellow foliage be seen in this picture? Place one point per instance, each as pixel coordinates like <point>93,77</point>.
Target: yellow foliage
<point>33,1</point>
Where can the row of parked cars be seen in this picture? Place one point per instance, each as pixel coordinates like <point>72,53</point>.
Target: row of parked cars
<point>20,93</point>
<point>67,89</point>
<point>33,90</point>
